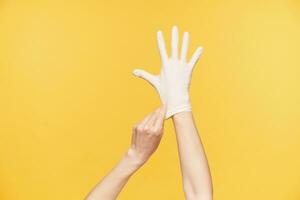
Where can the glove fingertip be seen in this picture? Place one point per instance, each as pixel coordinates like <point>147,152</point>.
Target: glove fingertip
<point>136,72</point>
<point>200,49</point>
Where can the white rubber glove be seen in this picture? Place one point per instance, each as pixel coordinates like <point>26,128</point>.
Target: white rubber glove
<point>173,82</point>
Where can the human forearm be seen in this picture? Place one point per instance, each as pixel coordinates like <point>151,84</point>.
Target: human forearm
<point>172,85</point>
<point>194,166</point>
<point>146,136</point>
<point>112,184</point>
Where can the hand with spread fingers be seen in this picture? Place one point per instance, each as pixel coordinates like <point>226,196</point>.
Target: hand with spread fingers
<point>172,84</point>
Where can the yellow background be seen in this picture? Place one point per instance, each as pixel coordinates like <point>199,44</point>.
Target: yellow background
<point>68,99</point>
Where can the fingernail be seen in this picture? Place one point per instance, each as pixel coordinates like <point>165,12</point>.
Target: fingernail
<point>163,108</point>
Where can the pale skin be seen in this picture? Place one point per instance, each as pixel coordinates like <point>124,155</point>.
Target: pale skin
<point>196,177</point>
<point>172,85</point>
<point>146,136</point>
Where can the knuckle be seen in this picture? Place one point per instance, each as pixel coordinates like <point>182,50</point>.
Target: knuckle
<point>146,129</point>
<point>139,129</point>
<point>155,131</point>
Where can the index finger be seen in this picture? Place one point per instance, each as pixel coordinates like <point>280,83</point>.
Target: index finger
<point>161,46</point>
<point>161,117</point>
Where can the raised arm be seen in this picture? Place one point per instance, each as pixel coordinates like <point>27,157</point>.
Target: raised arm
<point>146,137</point>
<point>196,176</point>
<point>172,84</point>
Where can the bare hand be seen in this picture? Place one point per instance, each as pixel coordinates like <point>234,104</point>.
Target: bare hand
<point>146,135</point>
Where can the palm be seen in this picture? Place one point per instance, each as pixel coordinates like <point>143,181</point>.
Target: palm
<point>174,79</point>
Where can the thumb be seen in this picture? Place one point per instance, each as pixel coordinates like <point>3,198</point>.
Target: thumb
<point>150,78</point>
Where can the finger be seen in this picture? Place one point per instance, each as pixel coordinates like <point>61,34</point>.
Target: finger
<point>162,46</point>
<point>145,120</point>
<point>152,79</point>
<point>185,46</point>
<point>174,42</point>
<point>161,117</point>
<point>195,57</point>
<point>152,119</point>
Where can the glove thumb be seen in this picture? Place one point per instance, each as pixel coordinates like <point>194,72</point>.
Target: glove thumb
<point>150,78</point>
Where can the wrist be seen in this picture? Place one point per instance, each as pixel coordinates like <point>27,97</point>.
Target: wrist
<point>182,117</point>
<point>177,103</point>
<point>174,110</point>
<point>134,159</point>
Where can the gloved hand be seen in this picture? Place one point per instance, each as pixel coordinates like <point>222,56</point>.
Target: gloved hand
<point>173,82</point>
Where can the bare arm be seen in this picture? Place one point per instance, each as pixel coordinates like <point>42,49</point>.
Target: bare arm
<point>194,166</point>
<point>145,140</point>
<point>172,85</point>
<point>111,185</point>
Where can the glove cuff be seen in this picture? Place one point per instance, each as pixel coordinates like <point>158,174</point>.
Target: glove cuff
<point>178,109</point>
